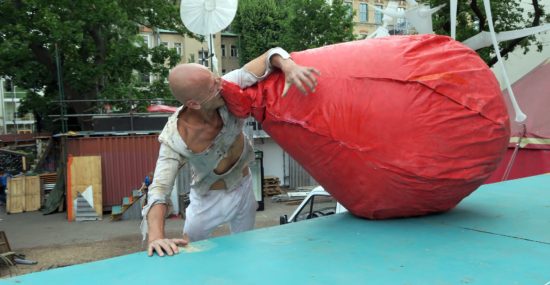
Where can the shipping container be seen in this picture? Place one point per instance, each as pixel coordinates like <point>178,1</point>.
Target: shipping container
<point>125,161</point>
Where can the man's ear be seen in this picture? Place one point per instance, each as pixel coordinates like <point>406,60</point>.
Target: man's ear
<point>192,104</point>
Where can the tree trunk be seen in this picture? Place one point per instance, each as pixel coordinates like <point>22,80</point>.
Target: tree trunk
<point>82,110</point>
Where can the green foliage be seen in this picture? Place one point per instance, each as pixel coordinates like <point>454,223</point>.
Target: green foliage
<point>40,106</point>
<point>101,52</point>
<point>294,25</point>
<point>314,23</point>
<point>260,25</point>
<point>507,15</point>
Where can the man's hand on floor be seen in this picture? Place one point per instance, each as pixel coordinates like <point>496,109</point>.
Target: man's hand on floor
<point>168,246</point>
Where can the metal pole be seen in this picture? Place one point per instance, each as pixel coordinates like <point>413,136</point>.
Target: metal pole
<point>64,130</point>
<point>61,91</point>
<point>201,58</point>
<point>3,107</point>
<point>131,115</point>
<point>211,52</point>
<point>14,107</point>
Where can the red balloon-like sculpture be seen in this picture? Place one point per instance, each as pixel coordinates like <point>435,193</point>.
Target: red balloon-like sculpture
<point>398,126</point>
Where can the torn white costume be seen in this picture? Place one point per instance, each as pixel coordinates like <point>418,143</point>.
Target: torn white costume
<point>222,206</point>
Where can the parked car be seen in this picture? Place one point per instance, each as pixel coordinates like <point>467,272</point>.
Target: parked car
<point>317,203</point>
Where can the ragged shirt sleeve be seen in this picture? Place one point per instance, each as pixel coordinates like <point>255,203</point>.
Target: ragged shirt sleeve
<point>168,164</point>
<point>245,78</point>
<point>242,77</point>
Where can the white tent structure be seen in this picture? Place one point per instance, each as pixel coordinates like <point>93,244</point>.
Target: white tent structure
<point>419,15</point>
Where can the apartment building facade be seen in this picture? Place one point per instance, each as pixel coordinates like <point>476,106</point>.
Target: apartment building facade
<point>11,120</point>
<point>229,51</point>
<point>367,18</point>
<point>193,50</point>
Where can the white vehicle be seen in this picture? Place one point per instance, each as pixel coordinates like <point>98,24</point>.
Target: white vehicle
<point>317,203</point>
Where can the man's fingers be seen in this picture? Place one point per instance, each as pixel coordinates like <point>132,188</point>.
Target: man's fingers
<point>312,77</point>
<point>150,250</point>
<point>174,247</point>
<point>287,86</point>
<point>167,247</point>
<point>304,76</point>
<point>177,242</point>
<point>300,86</point>
<point>314,70</point>
<point>180,241</point>
<point>310,83</point>
<point>158,249</point>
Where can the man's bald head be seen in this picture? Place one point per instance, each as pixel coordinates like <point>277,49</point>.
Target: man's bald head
<point>189,81</point>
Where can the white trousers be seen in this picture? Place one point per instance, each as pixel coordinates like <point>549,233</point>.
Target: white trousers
<point>236,207</point>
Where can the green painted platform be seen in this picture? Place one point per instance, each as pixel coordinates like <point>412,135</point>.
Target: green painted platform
<point>498,235</point>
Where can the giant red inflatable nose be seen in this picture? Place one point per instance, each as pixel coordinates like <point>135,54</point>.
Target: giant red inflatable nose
<point>398,126</point>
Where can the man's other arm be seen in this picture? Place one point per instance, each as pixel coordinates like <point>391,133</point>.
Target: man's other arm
<point>168,164</point>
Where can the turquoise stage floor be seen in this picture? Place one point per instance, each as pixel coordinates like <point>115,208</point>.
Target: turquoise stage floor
<point>498,235</point>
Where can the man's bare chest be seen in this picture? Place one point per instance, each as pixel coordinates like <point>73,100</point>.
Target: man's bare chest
<point>198,139</point>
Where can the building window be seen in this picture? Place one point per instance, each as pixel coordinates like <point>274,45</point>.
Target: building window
<point>350,8</point>
<point>378,15</point>
<point>234,52</point>
<point>146,41</point>
<point>164,44</point>
<point>223,50</point>
<point>363,12</point>
<point>401,23</point>
<point>177,46</point>
<point>203,57</point>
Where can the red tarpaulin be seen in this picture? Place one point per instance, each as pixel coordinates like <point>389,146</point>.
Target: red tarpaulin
<point>533,95</point>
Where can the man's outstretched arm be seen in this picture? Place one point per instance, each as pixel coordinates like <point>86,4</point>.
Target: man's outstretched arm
<point>262,66</point>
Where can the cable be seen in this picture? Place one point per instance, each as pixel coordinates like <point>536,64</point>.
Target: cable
<point>514,154</point>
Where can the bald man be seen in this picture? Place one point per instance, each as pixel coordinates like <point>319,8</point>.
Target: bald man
<point>204,134</point>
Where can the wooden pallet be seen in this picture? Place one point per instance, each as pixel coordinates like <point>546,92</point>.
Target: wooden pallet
<point>23,194</point>
<point>271,191</point>
<point>272,186</point>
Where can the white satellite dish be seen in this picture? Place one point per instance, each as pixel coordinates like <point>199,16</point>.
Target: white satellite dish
<point>206,17</point>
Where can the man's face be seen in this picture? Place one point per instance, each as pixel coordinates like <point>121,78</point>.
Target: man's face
<point>194,84</point>
<point>212,97</point>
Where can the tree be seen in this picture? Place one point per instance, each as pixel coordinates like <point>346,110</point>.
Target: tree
<point>507,15</point>
<point>101,53</point>
<point>314,23</point>
<point>294,25</point>
<point>259,24</point>
<point>40,106</point>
